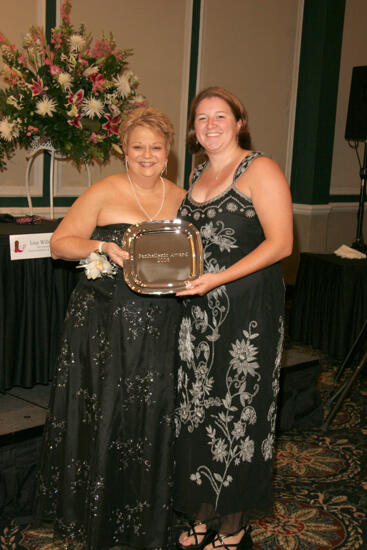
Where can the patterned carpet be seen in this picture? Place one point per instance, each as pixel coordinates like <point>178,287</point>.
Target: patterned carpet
<point>320,483</point>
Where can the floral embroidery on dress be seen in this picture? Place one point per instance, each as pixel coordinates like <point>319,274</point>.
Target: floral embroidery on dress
<point>228,439</point>
<point>233,420</point>
<point>267,446</point>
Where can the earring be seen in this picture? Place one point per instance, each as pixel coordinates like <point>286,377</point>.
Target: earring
<point>126,165</point>
<point>164,171</point>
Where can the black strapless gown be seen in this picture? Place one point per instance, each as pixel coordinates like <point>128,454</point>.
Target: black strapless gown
<point>105,475</point>
<point>230,347</point>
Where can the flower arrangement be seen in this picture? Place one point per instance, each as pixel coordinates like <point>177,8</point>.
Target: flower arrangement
<point>71,92</point>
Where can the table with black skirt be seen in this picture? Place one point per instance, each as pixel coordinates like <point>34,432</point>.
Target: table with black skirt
<point>330,303</point>
<point>34,295</point>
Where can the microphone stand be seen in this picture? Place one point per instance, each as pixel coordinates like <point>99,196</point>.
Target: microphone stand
<point>359,243</point>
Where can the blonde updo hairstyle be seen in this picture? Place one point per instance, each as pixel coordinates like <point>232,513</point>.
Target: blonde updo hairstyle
<point>151,118</point>
<point>238,110</point>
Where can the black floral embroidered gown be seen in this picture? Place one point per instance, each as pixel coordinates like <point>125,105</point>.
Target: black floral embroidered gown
<point>105,475</point>
<point>230,343</point>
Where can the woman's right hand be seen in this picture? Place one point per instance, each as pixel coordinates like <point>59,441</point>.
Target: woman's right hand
<point>115,253</point>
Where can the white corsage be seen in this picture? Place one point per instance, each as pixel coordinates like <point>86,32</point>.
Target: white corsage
<point>97,265</point>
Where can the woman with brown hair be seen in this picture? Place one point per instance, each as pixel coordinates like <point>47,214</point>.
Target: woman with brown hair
<point>231,332</point>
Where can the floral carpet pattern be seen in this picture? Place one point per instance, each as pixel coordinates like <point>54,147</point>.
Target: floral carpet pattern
<point>320,484</point>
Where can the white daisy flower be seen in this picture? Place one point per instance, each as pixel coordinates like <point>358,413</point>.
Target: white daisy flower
<point>122,83</point>
<point>8,130</point>
<point>64,80</point>
<point>92,107</point>
<point>77,42</point>
<point>46,106</point>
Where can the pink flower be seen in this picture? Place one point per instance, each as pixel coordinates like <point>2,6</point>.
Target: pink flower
<point>112,125</point>
<point>31,129</point>
<point>83,61</point>
<point>55,69</point>
<point>4,40</point>
<point>48,60</point>
<point>98,83</point>
<point>76,98</point>
<point>38,87</point>
<point>94,138</point>
<point>102,48</point>
<point>76,121</point>
<point>22,60</point>
<point>56,39</point>
<point>65,11</point>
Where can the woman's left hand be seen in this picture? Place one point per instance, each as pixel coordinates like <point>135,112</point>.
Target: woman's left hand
<point>201,285</point>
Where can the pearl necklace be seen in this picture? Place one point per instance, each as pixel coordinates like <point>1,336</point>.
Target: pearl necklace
<point>150,218</point>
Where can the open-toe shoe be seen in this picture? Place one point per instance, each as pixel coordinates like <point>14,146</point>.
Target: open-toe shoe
<point>245,543</point>
<point>207,534</point>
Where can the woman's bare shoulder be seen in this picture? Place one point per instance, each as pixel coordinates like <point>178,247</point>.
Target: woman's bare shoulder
<point>262,165</point>
<point>107,185</point>
<point>262,170</point>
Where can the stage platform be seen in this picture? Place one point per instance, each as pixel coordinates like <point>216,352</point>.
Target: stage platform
<point>23,413</point>
<point>22,408</point>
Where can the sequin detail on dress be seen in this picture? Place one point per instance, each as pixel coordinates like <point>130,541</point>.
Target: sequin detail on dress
<point>105,475</point>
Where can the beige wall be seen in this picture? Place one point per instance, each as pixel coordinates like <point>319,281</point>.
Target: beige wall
<point>249,48</point>
<point>16,18</point>
<point>157,32</point>
<point>236,50</point>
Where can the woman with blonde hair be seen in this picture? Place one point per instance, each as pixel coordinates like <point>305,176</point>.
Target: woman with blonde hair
<point>105,474</point>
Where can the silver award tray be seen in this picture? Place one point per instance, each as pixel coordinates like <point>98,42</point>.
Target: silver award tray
<point>164,256</point>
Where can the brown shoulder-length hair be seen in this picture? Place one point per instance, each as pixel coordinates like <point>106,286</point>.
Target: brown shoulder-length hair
<point>150,117</point>
<point>238,110</point>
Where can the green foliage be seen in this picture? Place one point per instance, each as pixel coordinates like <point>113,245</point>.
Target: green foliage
<point>72,93</point>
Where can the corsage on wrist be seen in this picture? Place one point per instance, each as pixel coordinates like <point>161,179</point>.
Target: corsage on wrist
<point>97,265</point>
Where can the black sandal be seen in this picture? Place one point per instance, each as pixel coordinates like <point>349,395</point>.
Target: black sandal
<point>208,537</point>
<point>244,544</point>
